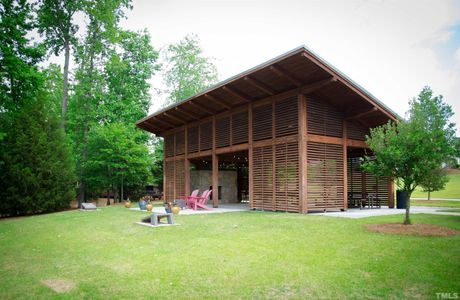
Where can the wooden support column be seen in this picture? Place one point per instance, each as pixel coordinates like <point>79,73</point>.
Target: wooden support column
<point>302,108</point>
<point>345,165</point>
<point>174,168</point>
<point>165,192</point>
<point>215,167</point>
<point>187,164</point>
<point>273,160</point>
<point>250,159</point>
<point>391,192</point>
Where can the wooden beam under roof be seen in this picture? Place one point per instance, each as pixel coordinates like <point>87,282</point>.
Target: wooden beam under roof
<point>202,107</point>
<point>151,127</point>
<point>236,93</point>
<point>186,112</point>
<point>168,125</point>
<point>171,117</point>
<point>284,73</point>
<point>260,85</point>
<point>310,88</point>
<point>217,100</point>
<point>362,114</point>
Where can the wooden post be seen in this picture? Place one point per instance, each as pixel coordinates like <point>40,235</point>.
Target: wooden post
<point>250,160</point>
<point>391,193</point>
<point>186,163</point>
<point>302,108</point>
<point>174,168</point>
<point>215,167</point>
<point>345,165</point>
<point>165,191</point>
<point>273,159</point>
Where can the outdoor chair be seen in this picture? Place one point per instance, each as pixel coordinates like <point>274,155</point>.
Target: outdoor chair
<point>193,195</point>
<point>200,202</point>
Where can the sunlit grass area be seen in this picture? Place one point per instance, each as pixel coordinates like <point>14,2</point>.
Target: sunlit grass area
<point>452,190</point>
<point>234,255</point>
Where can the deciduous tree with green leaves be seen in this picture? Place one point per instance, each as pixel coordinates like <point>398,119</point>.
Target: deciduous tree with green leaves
<point>188,71</point>
<point>117,157</point>
<point>414,148</point>
<point>435,181</point>
<point>56,23</point>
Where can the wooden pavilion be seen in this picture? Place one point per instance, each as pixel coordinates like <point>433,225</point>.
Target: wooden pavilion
<point>295,123</point>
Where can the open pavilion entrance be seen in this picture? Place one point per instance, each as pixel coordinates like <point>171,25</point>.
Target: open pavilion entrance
<point>228,177</point>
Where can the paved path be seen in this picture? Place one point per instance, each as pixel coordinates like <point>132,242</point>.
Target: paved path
<point>356,213</point>
<point>437,199</point>
<point>223,208</point>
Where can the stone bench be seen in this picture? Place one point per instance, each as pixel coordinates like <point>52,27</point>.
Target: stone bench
<point>155,218</point>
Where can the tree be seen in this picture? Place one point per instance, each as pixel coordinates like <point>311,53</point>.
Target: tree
<point>414,149</point>
<point>117,158</point>
<point>19,76</point>
<point>90,56</point>
<point>55,22</point>
<point>157,165</point>
<point>37,174</point>
<point>188,71</point>
<point>129,67</point>
<point>435,181</point>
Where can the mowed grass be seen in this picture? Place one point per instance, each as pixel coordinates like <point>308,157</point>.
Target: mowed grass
<point>452,190</point>
<point>235,255</point>
<point>438,203</point>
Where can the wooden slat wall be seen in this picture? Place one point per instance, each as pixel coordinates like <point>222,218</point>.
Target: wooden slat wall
<point>323,119</point>
<point>362,183</point>
<point>180,142</point>
<point>357,131</point>
<point>205,136</point>
<point>239,128</point>
<point>262,175</point>
<point>179,180</point>
<point>287,177</point>
<point>169,181</point>
<point>286,117</point>
<point>192,139</point>
<point>169,145</point>
<point>262,122</point>
<point>223,132</point>
<point>325,187</point>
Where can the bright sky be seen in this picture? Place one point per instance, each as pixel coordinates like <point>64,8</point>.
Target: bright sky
<point>391,48</point>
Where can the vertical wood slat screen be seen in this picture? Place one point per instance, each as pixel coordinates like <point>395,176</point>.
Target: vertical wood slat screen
<point>323,119</point>
<point>223,132</point>
<point>240,128</point>
<point>362,183</point>
<point>262,122</point>
<point>180,142</point>
<point>356,131</point>
<point>169,178</point>
<point>192,139</point>
<point>286,117</point>
<point>263,177</point>
<point>169,145</point>
<point>206,136</point>
<point>179,181</point>
<point>287,177</point>
<point>325,186</point>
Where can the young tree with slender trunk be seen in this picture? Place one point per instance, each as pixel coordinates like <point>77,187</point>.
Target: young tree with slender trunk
<point>413,149</point>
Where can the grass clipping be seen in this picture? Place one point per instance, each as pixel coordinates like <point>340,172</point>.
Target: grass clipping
<point>414,229</point>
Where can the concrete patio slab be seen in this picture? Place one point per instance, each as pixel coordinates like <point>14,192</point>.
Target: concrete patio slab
<point>356,213</point>
<point>223,208</point>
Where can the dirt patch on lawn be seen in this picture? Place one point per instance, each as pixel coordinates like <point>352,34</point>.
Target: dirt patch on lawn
<point>59,285</point>
<point>414,229</point>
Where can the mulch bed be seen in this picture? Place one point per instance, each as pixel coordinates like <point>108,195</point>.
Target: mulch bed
<point>414,229</point>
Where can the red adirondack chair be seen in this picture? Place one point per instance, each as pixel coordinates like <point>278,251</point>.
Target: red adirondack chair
<point>191,198</point>
<point>200,202</point>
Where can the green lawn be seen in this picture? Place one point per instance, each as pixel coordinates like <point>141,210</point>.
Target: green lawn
<point>234,255</point>
<point>440,203</point>
<point>452,190</point>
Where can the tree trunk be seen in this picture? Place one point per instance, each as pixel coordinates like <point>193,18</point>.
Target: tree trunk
<point>65,82</point>
<point>81,194</point>
<point>407,220</point>
<point>121,188</point>
<point>108,197</point>
<point>429,195</point>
